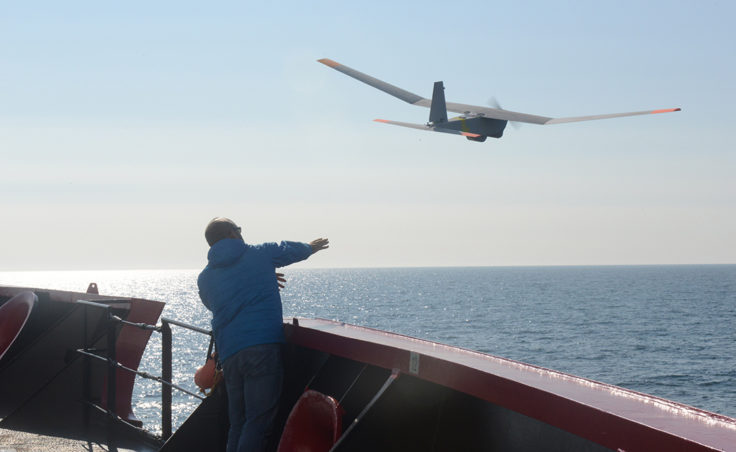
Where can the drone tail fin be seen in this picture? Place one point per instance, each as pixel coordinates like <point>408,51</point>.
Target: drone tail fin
<point>438,110</point>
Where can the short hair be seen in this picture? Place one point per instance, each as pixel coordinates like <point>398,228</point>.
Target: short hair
<point>219,228</point>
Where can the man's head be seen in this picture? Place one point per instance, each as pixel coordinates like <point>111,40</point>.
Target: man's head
<point>221,228</point>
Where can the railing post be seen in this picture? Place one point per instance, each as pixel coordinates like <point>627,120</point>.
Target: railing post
<point>166,376</point>
<point>87,369</point>
<point>111,376</point>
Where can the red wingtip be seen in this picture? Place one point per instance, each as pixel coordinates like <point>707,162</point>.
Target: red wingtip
<point>666,110</point>
<point>381,120</point>
<point>329,62</point>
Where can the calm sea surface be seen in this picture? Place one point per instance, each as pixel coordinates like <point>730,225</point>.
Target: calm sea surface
<point>669,331</point>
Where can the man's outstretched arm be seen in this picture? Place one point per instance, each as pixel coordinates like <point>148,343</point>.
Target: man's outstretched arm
<point>287,252</point>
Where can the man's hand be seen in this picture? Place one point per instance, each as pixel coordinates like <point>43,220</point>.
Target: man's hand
<point>280,280</point>
<point>319,244</point>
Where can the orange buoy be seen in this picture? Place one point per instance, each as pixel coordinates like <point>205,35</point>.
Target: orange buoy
<point>204,377</point>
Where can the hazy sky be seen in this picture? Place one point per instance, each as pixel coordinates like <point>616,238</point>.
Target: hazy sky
<point>126,126</point>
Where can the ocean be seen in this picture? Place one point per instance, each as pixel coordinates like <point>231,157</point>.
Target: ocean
<point>669,331</point>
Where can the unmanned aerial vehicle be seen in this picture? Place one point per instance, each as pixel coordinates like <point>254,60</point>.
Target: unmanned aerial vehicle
<point>475,123</point>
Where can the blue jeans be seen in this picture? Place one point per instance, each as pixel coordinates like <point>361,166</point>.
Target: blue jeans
<point>253,378</point>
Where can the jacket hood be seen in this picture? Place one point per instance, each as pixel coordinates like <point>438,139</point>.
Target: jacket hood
<point>226,252</point>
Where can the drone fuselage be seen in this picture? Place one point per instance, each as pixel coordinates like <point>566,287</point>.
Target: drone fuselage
<point>485,127</point>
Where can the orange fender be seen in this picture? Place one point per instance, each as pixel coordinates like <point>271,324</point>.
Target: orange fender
<point>204,377</point>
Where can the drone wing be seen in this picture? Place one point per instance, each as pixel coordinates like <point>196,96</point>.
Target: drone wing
<point>611,115</point>
<point>428,128</point>
<point>472,110</point>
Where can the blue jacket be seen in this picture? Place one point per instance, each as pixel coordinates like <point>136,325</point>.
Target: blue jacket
<point>239,286</point>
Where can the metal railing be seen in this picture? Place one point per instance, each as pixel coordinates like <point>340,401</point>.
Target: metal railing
<point>166,376</point>
<point>112,364</point>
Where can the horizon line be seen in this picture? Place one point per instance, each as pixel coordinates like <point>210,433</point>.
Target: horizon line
<point>379,267</point>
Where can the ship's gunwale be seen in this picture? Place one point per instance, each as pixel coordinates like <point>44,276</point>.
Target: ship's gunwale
<point>612,416</point>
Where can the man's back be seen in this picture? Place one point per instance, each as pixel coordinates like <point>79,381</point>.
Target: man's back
<point>239,286</point>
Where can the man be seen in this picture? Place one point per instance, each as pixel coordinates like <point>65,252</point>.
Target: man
<point>239,285</point>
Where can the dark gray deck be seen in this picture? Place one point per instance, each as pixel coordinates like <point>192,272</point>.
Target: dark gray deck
<point>13,441</point>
